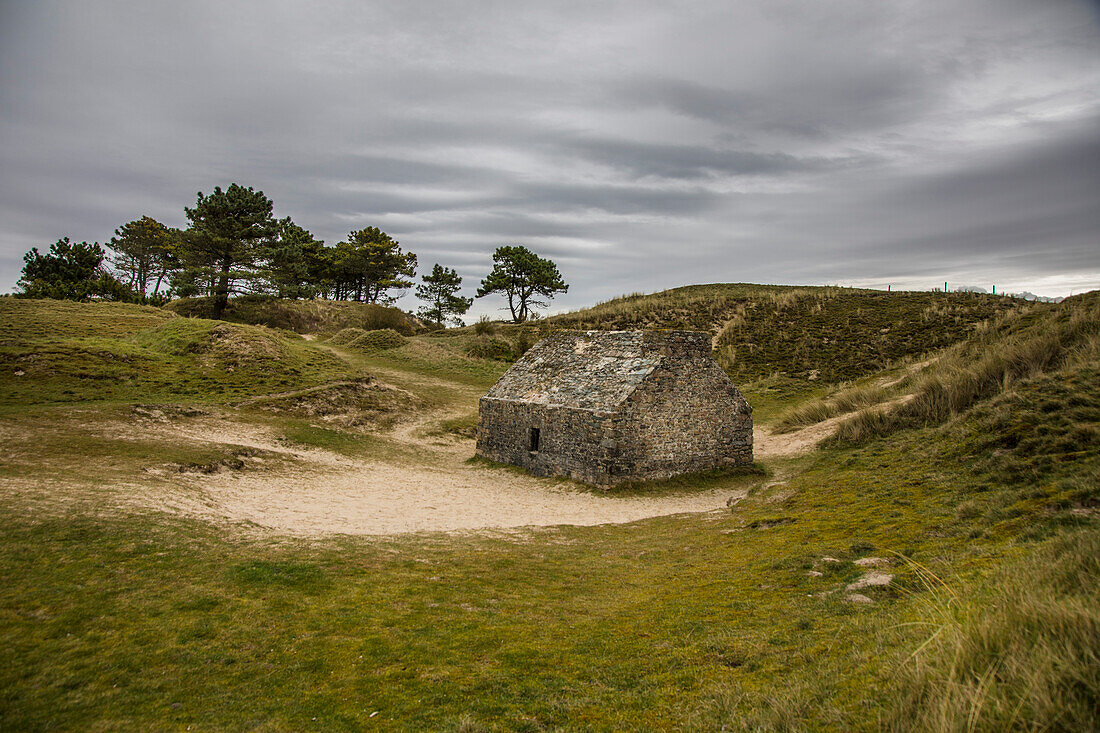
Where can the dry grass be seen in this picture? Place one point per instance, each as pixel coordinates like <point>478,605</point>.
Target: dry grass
<point>1020,347</point>
<point>1021,653</point>
<point>853,398</point>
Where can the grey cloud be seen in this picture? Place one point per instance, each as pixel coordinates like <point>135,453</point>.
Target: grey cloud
<point>803,105</point>
<point>642,145</point>
<point>690,161</point>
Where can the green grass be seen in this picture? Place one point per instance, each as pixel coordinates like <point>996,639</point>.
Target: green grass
<point>464,426</point>
<point>440,358</point>
<point>116,618</point>
<point>25,321</point>
<point>136,355</point>
<point>771,397</point>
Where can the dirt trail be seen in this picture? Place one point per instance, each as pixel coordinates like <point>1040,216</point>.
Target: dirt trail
<point>319,492</point>
<point>422,483</point>
<point>766,444</point>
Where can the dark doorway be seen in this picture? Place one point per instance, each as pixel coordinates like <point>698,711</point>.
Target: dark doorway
<point>534,446</point>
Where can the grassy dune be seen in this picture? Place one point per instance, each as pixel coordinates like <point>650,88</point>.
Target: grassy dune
<point>1018,348</point>
<point>827,333</point>
<point>71,353</point>
<point>301,316</point>
<point>733,620</point>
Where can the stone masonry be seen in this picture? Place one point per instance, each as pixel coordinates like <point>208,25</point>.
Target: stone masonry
<point>604,407</point>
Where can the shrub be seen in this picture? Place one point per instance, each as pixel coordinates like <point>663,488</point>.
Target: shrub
<point>377,340</point>
<point>491,348</point>
<point>484,327</point>
<point>524,341</point>
<point>345,335</point>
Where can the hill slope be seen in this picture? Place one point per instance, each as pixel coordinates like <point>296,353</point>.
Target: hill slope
<point>60,352</point>
<point>827,333</point>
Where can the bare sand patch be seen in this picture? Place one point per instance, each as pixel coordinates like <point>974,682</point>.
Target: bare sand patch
<point>766,444</point>
<point>387,499</point>
<point>317,492</point>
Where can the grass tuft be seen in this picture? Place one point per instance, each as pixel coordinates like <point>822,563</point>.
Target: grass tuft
<point>848,400</point>
<point>1019,653</point>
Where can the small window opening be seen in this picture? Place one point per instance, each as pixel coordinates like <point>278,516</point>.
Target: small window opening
<point>534,440</point>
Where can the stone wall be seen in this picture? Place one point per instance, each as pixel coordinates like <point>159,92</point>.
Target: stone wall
<point>687,416</point>
<point>676,410</point>
<point>571,441</point>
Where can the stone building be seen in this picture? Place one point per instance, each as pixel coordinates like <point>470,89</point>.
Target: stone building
<point>604,407</point>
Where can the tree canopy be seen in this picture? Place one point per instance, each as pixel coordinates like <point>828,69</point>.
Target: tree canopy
<point>525,278</point>
<point>295,265</point>
<point>227,230</point>
<point>369,264</point>
<point>439,291</point>
<point>145,251</point>
<point>69,272</point>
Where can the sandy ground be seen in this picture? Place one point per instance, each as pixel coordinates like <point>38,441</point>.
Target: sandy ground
<point>323,493</point>
<point>383,499</point>
<point>766,444</point>
<point>319,492</point>
<point>426,485</point>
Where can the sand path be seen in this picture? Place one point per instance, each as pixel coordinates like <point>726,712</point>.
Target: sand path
<point>318,492</point>
<point>422,482</point>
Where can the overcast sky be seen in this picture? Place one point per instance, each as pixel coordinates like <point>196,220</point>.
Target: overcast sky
<point>639,145</point>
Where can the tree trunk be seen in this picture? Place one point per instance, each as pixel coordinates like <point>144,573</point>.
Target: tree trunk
<point>512,307</point>
<point>142,284</point>
<point>221,294</point>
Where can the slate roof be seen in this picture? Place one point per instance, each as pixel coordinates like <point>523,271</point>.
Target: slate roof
<point>589,370</point>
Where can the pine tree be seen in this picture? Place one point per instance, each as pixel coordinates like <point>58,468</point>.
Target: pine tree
<point>439,291</point>
<point>144,249</point>
<point>522,275</point>
<point>370,264</point>
<point>228,229</point>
